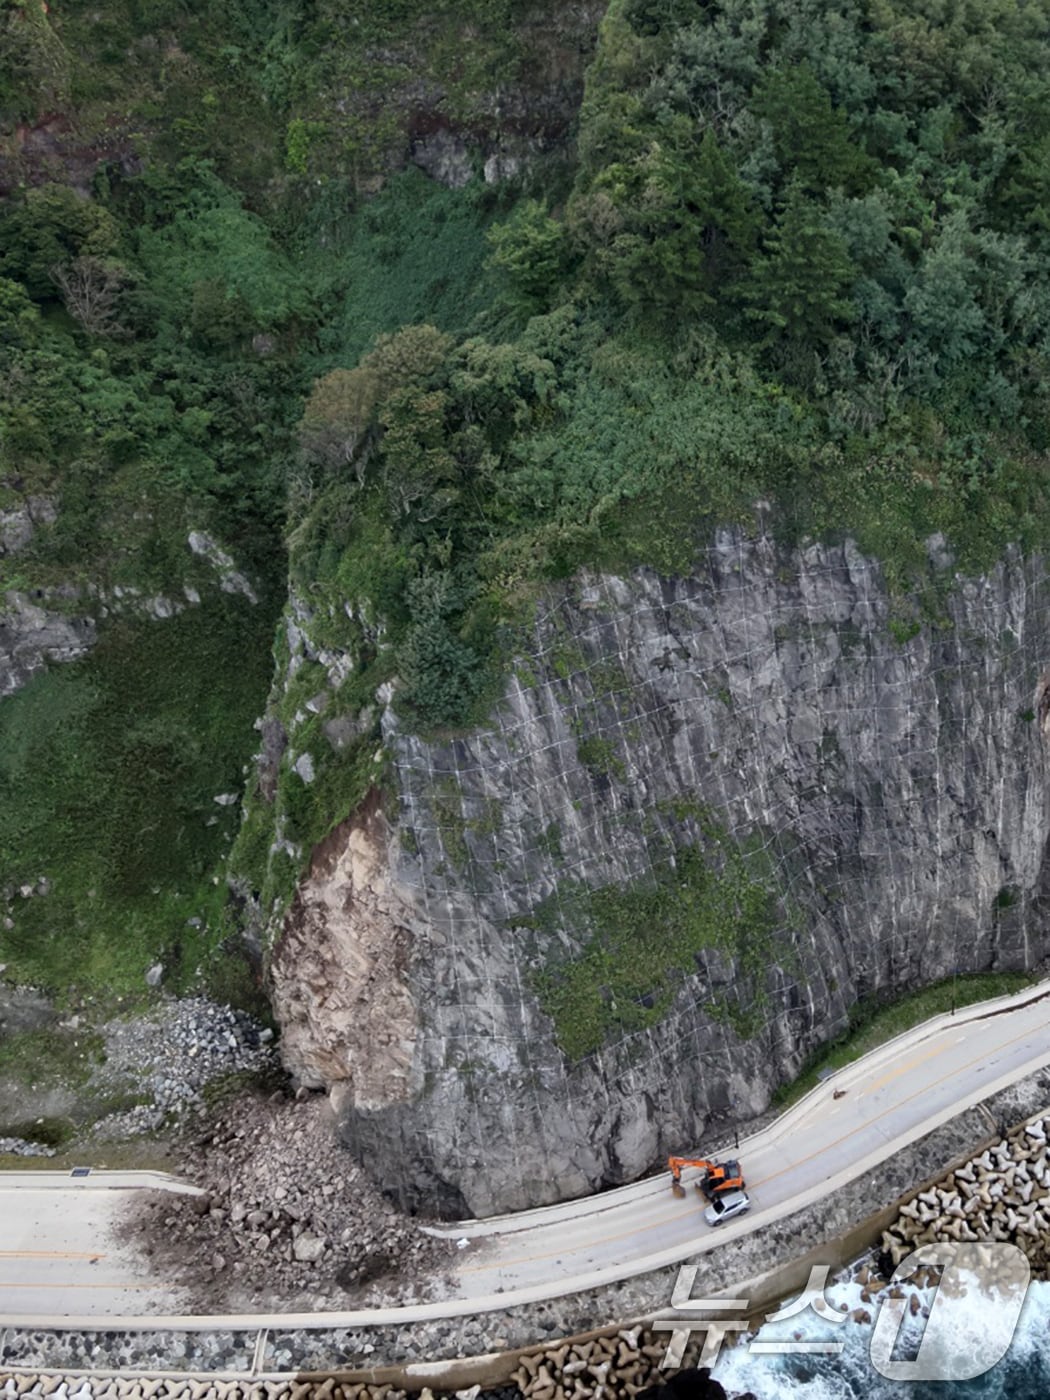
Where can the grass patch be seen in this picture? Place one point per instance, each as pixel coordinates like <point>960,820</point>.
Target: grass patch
<point>600,756</point>
<point>147,1152</point>
<point>873,1023</point>
<point>641,940</point>
<point>341,781</point>
<point>303,814</point>
<point>49,1132</point>
<point>414,253</point>
<point>108,773</point>
<point>446,800</point>
<point>236,1083</point>
<point>50,1056</point>
<point>232,978</point>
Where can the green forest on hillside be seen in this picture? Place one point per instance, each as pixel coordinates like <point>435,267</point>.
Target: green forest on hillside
<point>793,252</point>
<point>803,257</point>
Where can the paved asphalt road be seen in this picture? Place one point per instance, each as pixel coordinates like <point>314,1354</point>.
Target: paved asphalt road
<point>59,1246</point>
<point>891,1097</point>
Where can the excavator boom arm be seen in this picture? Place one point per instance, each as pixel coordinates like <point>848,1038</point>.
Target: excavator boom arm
<point>677,1163</point>
<point>718,1178</point>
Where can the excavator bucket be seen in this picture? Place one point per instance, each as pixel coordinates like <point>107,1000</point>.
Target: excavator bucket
<point>677,1188</point>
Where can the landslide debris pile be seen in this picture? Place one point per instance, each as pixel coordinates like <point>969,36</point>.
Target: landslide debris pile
<point>169,1056</point>
<point>285,1216</point>
<point>1002,1195</point>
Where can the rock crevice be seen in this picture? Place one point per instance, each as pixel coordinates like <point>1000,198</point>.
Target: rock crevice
<point>340,973</point>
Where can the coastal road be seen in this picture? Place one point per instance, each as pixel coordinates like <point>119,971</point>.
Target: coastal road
<point>849,1123</point>
<point>60,1252</point>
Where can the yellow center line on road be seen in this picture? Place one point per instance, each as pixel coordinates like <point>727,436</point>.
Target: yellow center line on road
<point>910,1064</point>
<point>112,1286</point>
<point>792,1166</point>
<point>49,1254</point>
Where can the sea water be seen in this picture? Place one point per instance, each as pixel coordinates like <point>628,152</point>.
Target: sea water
<point>1023,1373</point>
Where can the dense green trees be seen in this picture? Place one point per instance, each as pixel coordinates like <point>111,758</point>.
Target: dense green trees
<point>48,230</point>
<point>126,355</point>
<point>531,250</point>
<point>336,421</point>
<point>797,289</point>
<point>19,318</point>
<point>877,174</point>
<point>671,231</point>
<point>35,65</point>
<point>414,439</point>
<point>804,255</point>
<point>812,139</point>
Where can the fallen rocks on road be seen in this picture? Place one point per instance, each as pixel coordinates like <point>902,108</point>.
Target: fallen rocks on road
<point>286,1217</point>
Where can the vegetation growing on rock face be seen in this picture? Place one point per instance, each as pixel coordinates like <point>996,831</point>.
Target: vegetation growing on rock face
<point>797,252</point>
<point>634,945</point>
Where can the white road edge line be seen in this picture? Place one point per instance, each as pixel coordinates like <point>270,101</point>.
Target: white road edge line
<point>462,1307</point>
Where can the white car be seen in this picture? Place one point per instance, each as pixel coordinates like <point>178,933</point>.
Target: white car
<point>727,1206</point>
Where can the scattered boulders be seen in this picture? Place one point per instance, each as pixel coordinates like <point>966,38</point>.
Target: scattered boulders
<point>169,1056</point>
<point>22,1147</point>
<point>285,1213</point>
<point>308,1249</point>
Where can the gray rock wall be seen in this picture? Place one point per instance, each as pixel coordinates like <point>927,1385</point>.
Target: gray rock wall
<point>894,790</point>
<point>43,626</point>
<point>33,635</point>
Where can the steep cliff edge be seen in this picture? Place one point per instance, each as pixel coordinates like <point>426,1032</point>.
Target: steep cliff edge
<point>707,816</point>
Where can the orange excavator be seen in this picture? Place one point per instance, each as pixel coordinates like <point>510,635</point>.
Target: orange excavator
<point>718,1177</point>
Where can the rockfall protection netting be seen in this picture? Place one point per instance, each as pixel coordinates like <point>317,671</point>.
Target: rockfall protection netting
<point>879,772</point>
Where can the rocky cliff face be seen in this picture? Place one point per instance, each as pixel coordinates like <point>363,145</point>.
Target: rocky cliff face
<point>42,626</point>
<point>888,791</point>
<point>529,113</point>
<point>33,630</point>
<point>33,634</point>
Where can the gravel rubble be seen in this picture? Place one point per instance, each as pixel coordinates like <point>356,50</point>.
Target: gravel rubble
<point>199,1352</point>
<point>169,1056</point>
<point>20,1147</point>
<point>287,1220</point>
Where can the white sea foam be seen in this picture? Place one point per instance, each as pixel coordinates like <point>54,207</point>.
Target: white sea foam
<point>968,1326</point>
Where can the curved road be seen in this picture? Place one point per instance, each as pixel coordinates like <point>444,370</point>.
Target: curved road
<point>850,1122</point>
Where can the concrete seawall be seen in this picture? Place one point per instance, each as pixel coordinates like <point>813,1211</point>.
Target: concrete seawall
<point>490,1349</point>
